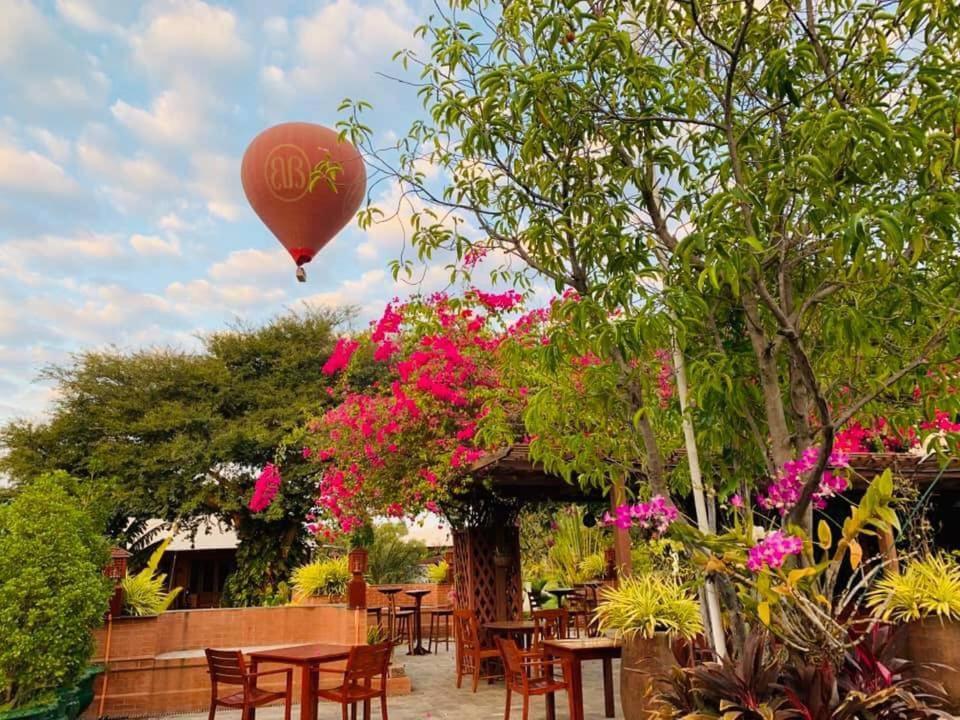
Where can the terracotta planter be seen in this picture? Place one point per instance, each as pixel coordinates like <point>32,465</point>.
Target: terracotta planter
<point>644,659</point>
<point>933,641</point>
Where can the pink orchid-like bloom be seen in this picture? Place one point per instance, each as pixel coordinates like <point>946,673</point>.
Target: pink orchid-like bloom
<point>773,550</point>
<point>655,515</point>
<point>736,501</point>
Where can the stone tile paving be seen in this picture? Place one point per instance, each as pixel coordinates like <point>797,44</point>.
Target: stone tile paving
<point>436,697</point>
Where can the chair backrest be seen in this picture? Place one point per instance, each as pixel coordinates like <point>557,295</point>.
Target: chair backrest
<point>226,666</point>
<point>367,662</point>
<point>466,628</point>
<point>534,598</point>
<point>550,625</point>
<point>512,660</point>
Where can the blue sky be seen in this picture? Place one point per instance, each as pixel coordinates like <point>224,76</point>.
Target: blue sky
<point>122,125</point>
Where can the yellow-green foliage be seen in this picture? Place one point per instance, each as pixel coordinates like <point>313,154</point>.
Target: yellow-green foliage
<point>926,588</point>
<point>144,593</point>
<point>322,578</point>
<point>573,544</point>
<point>593,567</point>
<point>648,604</point>
<point>439,572</point>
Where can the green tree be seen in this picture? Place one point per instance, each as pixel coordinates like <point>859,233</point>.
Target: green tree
<point>177,435</point>
<point>52,589</point>
<point>773,187</point>
<point>392,557</point>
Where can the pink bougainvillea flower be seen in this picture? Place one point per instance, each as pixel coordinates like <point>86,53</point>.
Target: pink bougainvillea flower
<point>340,358</point>
<point>266,488</point>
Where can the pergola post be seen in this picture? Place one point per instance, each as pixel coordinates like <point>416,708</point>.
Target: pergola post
<point>621,536</point>
<point>487,571</point>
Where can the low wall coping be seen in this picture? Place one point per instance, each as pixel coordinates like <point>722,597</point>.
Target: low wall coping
<point>200,652</point>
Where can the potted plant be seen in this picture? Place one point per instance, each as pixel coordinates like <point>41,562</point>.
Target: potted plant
<point>321,582</point>
<point>646,613</point>
<point>925,598</point>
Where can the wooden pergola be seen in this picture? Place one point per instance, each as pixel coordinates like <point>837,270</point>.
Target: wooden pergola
<point>487,549</point>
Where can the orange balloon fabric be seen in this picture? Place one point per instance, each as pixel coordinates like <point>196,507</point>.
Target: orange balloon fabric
<point>276,179</point>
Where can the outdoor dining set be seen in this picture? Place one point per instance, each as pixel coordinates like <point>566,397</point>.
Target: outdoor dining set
<point>537,655</point>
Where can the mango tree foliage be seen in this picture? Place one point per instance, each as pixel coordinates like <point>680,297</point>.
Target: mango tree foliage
<point>771,184</point>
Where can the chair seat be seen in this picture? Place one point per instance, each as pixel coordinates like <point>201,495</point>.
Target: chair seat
<point>540,685</point>
<point>349,693</point>
<point>256,697</point>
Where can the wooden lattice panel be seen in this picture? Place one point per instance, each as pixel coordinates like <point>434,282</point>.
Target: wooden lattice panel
<point>487,572</point>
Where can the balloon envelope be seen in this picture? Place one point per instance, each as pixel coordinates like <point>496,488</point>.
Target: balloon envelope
<point>276,179</point>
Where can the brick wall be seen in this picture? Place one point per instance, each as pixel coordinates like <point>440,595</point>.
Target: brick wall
<point>438,595</point>
<point>157,665</point>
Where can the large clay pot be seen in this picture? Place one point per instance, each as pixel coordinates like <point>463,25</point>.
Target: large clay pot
<point>935,641</point>
<point>643,661</point>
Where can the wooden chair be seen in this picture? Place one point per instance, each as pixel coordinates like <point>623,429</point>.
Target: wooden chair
<point>471,653</point>
<point>581,613</point>
<point>227,667</point>
<point>535,600</point>
<point>365,664</point>
<point>529,676</point>
<point>549,625</point>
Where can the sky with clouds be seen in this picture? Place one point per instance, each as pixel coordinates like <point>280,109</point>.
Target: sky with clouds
<point>122,125</point>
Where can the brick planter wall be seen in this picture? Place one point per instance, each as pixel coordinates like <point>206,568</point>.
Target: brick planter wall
<point>157,665</point>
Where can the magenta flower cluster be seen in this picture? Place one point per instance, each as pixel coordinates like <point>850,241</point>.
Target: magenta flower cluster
<point>266,488</point>
<point>782,494</point>
<point>773,550</point>
<point>655,515</point>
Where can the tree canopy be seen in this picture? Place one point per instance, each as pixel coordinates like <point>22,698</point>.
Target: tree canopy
<point>178,435</point>
<point>770,187</point>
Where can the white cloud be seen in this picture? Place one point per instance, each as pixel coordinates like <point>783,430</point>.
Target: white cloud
<point>58,148</point>
<point>90,15</point>
<point>276,29</point>
<point>43,67</point>
<point>31,172</point>
<point>129,182</point>
<point>172,222</point>
<point>184,38</point>
<point>244,266</point>
<point>216,179</point>
<point>175,117</point>
<point>155,245</point>
<point>200,293</point>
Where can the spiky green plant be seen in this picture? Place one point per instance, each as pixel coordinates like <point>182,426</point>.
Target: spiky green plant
<point>593,567</point>
<point>573,543</point>
<point>144,593</point>
<point>648,604</point>
<point>322,578</point>
<point>927,587</point>
<point>439,572</point>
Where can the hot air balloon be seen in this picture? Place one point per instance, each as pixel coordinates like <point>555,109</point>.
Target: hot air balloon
<point>276,172</point>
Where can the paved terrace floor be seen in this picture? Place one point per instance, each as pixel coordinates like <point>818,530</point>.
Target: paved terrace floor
<point>436,697</point>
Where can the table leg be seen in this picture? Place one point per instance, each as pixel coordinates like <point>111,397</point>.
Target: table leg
<point>576,689</point>
<point>608,687</point>
<point>308,693</point>
<point>551,698</point>
<point>251,713</point>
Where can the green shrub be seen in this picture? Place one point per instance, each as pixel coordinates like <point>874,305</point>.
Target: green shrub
<point>439,572</point>
<point>322,578</point>
<point>144,593</point>
<point>52,591</point>
<point>650,603</point>
<point>928,587</point>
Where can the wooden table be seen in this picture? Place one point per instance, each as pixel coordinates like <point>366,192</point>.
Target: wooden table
<point>417,596</point>
<point>560,594</point>
<point>574,652</point>
<point>307,658</point>
<point>522,629</point>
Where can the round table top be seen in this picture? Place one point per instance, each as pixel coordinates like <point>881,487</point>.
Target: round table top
<point>417,593</point>
<point>388,590</point>
<point>511,626</point>
<point>560,591</point>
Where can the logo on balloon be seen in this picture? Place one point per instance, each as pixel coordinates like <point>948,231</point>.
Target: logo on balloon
<point>287,171</point>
